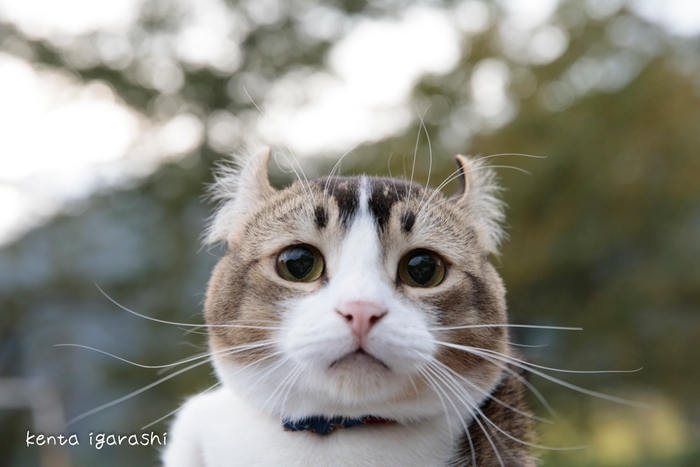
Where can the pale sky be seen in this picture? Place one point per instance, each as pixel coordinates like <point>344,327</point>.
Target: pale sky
<point>61,140</point>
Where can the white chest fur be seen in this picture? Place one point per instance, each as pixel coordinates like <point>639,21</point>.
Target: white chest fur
<point>219,429</point>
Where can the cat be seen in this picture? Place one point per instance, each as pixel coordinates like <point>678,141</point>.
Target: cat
<point>356,321</point>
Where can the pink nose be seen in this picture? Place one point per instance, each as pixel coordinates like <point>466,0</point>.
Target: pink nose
<point>361,316</point>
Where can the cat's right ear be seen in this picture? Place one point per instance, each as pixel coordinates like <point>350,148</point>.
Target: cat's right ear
<point>240,189</point>
<point>477,196</point>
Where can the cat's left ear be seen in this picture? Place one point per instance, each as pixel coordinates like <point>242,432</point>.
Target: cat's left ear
<point>477,196</point>
<point>241,189</point>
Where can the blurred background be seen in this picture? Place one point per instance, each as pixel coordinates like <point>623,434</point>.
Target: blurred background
<point>113,113</point>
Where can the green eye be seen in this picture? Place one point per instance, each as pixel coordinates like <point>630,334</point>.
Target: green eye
<point>300,263</point>
<point>421,268</point>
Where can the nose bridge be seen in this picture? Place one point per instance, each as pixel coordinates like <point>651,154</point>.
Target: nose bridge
<point>359,276</point>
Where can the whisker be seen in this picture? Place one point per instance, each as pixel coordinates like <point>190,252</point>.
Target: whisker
<point>486,167</point>
<point>280,151</point>
<point>513,167</point>
<point>461,419</point>
<point>165,370</point>
<point>471,403</point>
<point>430,160</point>
<point>433,385</point>
<point>391,176</point>
<point>80,346</point>
<point>466,429</point>
<point>336,167</point>
<point>309,202</point>
<point>474,417</point>
<point>490,156</point>
<point>413,168</point>
<point>403,164</point>
<point>525,382</point>
<point>170,414</point>
<point>529,346</point>
<point>540,397</point>
<point>173,323</point>
<point>280,385</point>
<point>132,394</point>
<point>298,165</point>
<point>193,331</point>
<point>415,388</point>
<point>231,350</point>
<point>168,365</point>
<point>529,326</point>
<point>511,359</point>
<point>490,396</point>
<point>139,391</point>
<point>455,174</point>
<point>474,410</point>
<point>291,166</point>
<point>257,362</point>
<point>289,387</point>
<point>459,172</point>
<point>253,102</point>
<point>589,392</point>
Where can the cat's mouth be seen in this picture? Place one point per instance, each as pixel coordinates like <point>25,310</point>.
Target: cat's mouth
<point>359,357</point>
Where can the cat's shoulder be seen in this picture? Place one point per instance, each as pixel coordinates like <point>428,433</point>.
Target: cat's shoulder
<point>201,421</point>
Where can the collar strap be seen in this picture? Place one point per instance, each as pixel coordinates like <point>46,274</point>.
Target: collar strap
<point>322,425</point>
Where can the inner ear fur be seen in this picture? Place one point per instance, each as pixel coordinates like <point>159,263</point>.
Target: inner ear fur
<point>240,187</point>
<point>477,194</point>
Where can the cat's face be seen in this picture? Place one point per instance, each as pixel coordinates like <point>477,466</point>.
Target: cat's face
<point>333,293</point>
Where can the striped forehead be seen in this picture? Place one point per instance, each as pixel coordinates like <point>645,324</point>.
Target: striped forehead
<point>367,195</point>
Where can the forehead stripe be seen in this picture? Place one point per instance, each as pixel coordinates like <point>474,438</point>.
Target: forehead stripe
<point>378,197</point>
<point>407,222</point>
<point>383,196</point>
<point>320,217</point>
<point>387,192</point>
<point>347,194</point>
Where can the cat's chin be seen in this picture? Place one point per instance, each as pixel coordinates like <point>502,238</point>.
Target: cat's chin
<point>357,385</point>
<point>359,378</point>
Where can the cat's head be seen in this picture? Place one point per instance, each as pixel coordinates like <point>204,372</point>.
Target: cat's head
<point>336,296</point>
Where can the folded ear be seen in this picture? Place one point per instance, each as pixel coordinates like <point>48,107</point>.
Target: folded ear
<point>240,189</point>
<point>477,195</point>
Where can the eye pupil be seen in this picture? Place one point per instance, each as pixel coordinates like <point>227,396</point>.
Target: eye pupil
<point>299,262</point>
<point>421,268</point>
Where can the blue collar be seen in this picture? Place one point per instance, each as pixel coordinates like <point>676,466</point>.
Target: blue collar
<point>322,425</point>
